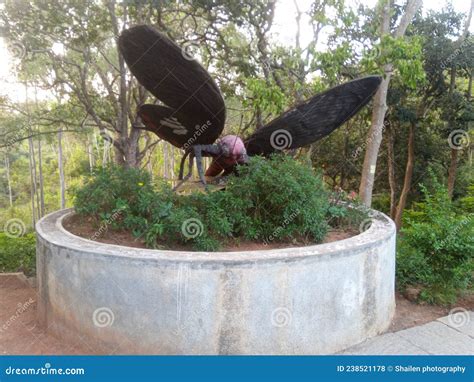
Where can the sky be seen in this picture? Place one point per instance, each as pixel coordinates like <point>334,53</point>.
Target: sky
<point>283,31</point>
<point>285,13</point>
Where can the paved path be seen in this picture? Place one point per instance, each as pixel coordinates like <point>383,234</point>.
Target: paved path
<point>452,334</point>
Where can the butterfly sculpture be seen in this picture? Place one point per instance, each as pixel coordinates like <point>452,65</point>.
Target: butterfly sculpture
<point>192,114</point>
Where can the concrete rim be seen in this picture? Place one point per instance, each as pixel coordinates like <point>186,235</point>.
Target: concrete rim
<point>50,228</point>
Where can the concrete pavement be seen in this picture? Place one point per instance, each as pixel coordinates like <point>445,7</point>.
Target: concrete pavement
<point>453,334</point>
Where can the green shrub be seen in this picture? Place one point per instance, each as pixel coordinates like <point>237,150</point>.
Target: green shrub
<point>381,202</point>
<point>436,248</point>
<point>18,254</point>
<point>277,199</point>
<point>340,216</point>
<point>466,203</point>
<point>271,200</point>
<point>112,188</point>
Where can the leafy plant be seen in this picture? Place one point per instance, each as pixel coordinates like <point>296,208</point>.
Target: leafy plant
<point>278,199</point>
<point>18,254</point>
<point>436,248</point>
<point>271,200</point>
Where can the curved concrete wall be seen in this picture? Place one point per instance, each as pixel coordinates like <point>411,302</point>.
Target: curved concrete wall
<point>310,300</point>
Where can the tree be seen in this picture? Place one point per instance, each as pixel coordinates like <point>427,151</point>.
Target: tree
<point>380,99</point>
<point>455,66</point>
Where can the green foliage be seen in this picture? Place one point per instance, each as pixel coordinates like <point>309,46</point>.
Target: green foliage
<point>466,203</point>
<point>381,202</point>
<point>404,53</point>
<point>340,216</point>
<point>436,248</point>
<point>18,254</point>
<point>272,200</point>
<point>277,199</point>
<point>267,97</point>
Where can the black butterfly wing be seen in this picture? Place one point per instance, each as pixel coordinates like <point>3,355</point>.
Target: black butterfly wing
<point>313,119</point>
<point>174,127</point>
<point>179,82</point>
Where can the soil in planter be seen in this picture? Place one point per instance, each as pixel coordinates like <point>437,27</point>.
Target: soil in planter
<point>87,228</point>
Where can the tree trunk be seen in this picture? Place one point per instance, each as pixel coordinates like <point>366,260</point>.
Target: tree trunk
<point>9,183</point>
<point>391,173</point>
<point>454,153</point>
<point>32,180</point>
<point>90,153</point>
<point>40,174</point>
<point>373,146</point>
<point>172,163</point>
<point>453,165</point>
<point>106,153</point>
<point>149,167</point>
<point>380,105</point>
<point>469,87</point>
<point>165,160</point>
<point>40,162</point>
<point>62,181</point>
<point>132,149</point>
<point>408,176</point>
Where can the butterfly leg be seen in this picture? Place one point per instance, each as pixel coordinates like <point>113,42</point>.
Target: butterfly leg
<point>190,170</point>
<point>181,165</point>
<point>205,150</point>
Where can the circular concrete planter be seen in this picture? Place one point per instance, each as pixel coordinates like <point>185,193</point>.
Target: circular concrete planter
<point>309,300</point>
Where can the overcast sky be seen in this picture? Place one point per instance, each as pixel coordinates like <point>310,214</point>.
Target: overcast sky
<point>284,30</point>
